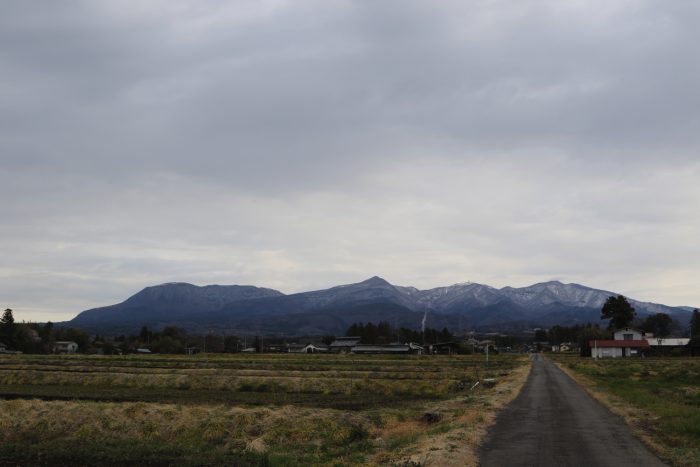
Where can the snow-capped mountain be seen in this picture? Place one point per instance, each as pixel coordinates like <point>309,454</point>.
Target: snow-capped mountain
<point>331,310</point>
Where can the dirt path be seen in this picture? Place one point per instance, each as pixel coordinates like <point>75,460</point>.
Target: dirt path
<point>554,422</point>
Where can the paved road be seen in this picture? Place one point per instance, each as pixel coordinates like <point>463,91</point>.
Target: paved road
<point>554,422</point>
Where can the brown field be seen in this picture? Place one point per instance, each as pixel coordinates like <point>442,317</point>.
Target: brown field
<point>250,410</point>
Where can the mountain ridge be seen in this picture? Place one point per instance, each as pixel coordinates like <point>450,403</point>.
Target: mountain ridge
<point>249,308</point>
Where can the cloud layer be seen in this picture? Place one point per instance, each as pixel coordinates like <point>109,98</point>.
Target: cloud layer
<point>302,144</point>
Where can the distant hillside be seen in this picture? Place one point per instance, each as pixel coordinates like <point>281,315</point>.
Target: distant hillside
<point>249,309</point>
<point>166,304</point>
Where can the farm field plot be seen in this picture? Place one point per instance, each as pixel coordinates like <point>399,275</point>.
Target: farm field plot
<point>659,397</point>
<point>248,409</point>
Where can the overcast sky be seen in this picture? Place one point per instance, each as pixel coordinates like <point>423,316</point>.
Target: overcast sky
<point>303,144</point>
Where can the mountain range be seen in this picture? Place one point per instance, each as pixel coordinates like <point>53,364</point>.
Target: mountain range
<point>249,309</point>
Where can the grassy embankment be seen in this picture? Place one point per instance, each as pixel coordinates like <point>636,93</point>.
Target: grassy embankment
<point>248,410</point>
<point>659,398</point>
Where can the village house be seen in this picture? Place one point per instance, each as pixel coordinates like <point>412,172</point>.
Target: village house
<point>479,346</point>
<point>344,344</point>
<point>398,348</point>
<point>627,342</point>
<point>667,345</point>
<point>6,350</point>
<point>564,347</point>
<point>444,348</point>
<point>307,348</point>
<point>65,347</point>
<point>473,343</point>
<point>487,344</point>
<point>380,349</point>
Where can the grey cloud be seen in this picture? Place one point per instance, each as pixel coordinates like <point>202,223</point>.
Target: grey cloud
<point>278,83</point>
<point>301,144</point>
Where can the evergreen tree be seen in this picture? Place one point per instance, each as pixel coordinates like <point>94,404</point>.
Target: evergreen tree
<point>541,335</point>
<point>170,345</point>
<point>46,332</point>
<point>357,329</point>
<point>695,324</point>
<point>145,335</point>
<point>659,324</point>
<point>371,334</point>
<point>619,311</point>
<point>445,335</point>
<point>7,318</point>
<point>588,334</point>
<point>7,328</point>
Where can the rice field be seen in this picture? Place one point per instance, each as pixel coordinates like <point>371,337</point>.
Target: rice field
<point>268,409</point>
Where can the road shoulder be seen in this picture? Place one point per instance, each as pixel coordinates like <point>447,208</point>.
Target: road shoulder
<point>636,419</point>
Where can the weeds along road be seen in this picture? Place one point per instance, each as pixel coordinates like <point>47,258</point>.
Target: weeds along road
<point>554,422</point>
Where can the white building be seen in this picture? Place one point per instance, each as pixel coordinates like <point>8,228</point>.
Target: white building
<point>628,342</point>
<point>668,342</point>
<point>629,334</point>
<point>65,347</point>
<point>308,348</point>
<point>668,345</point>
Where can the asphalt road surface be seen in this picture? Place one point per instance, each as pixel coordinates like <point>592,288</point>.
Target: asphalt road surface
<point>554,422</point>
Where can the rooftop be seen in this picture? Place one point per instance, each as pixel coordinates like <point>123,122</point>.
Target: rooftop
<point>668,341</point>
<point>345,341</point>
<point>618,343</point>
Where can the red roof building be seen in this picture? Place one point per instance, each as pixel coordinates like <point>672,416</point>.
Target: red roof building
<point>610,343</point>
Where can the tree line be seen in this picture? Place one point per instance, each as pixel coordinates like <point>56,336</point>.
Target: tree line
<point>174,340</point>
<point>621,314</point>
<point>384,333</point>
<point>40,338</point>
<point>36,337</point>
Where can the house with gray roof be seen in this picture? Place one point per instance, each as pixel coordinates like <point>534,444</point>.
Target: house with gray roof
<point>344,344</point>
<point>65,347</point>
<point>307,348</point>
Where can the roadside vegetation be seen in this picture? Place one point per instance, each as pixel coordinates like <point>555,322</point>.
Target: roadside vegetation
<point>260,409</point>
<point>659,397</point>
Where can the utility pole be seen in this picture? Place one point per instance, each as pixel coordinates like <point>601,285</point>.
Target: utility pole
<point>595,348</point>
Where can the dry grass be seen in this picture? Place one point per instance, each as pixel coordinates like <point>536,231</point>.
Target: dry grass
<point>464,424</point>
<point>201,432</point>
<point>197,432</point>
<point>413,377</point>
